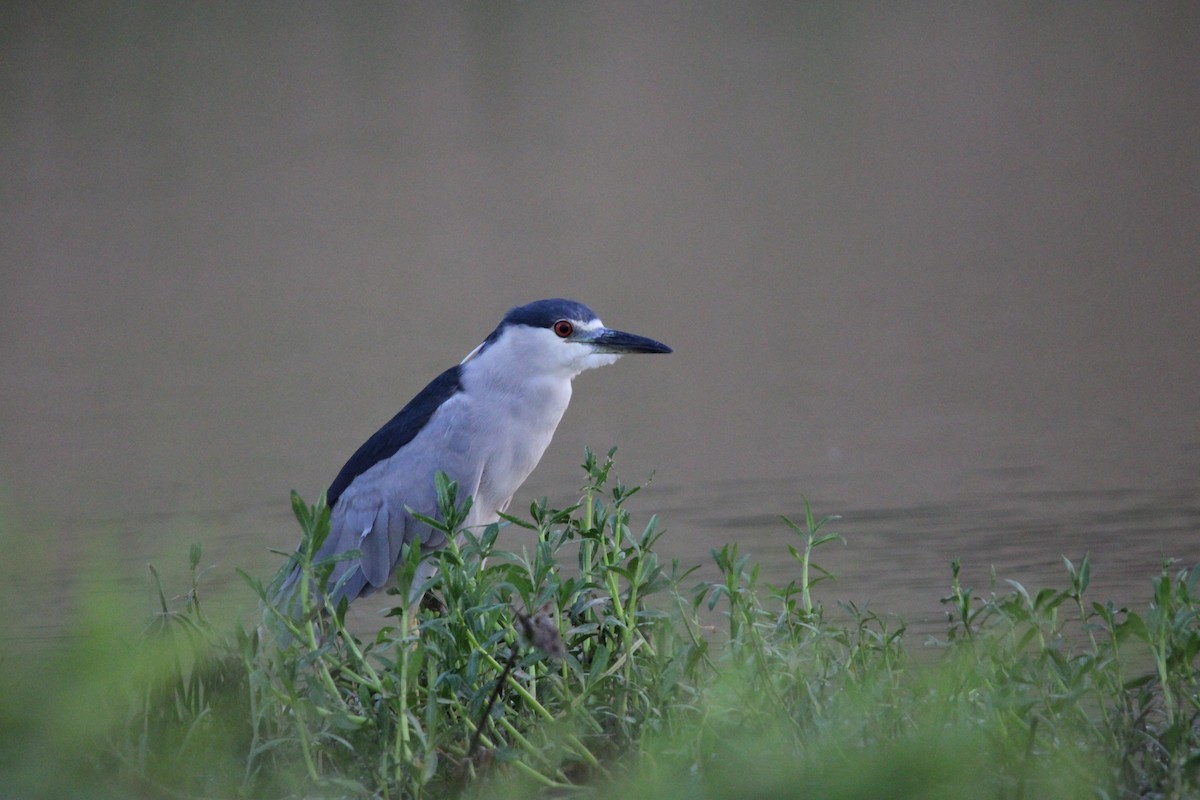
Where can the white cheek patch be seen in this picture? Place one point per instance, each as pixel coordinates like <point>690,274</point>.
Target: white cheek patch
<point>593,360</point>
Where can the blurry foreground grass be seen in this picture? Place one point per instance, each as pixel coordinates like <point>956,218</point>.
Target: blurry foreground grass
<point>1031,694</point>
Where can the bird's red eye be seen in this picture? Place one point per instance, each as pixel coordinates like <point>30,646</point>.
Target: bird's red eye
<point>563,328</point>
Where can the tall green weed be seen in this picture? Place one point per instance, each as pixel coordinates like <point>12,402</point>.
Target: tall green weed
<point>582,664</point>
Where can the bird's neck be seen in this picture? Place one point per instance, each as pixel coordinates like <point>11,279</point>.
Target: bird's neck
<point>540,393</point>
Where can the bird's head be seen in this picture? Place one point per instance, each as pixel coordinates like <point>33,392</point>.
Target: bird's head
<point>557,337</point>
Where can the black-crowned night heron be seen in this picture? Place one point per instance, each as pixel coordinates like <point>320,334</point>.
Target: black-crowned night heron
<point>485,423</point>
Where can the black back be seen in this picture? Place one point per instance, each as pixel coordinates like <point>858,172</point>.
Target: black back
<point>398,432</point>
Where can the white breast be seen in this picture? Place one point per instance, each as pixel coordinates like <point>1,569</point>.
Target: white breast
<point>512,421</point>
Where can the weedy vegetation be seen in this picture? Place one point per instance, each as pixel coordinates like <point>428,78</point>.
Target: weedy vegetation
<point>585,666</point>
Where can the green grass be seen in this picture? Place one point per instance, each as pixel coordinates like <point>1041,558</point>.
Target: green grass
<point>586,666</point>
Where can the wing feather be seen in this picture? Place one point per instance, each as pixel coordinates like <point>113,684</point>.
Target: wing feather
<point>373,509</point>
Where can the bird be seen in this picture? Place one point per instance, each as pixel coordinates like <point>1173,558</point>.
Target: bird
<point>484,422</point>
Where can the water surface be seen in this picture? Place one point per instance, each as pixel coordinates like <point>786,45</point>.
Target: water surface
<point>934,269</point>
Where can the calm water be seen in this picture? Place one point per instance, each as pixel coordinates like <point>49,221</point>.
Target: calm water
<point>936,270</point>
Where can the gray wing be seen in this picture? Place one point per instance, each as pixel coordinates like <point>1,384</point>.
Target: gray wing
<point>373,513</point>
